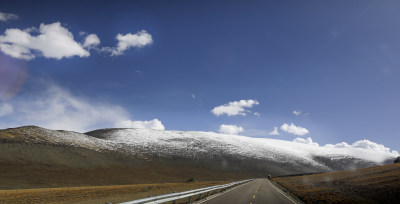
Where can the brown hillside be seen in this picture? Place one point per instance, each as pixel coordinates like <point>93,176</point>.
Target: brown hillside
<point>31,159</point>
<point>368,185</point>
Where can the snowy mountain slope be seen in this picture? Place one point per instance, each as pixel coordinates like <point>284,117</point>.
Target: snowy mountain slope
<point>34,134</point>
<point>276,156</point>
<point>204,150</point>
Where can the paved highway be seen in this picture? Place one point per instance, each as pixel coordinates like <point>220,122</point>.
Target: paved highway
<point>255,192</point>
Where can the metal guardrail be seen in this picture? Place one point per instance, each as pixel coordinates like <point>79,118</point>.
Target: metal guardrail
<point>172,197</point>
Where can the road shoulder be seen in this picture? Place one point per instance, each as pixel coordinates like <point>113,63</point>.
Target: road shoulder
<point>291,196</point>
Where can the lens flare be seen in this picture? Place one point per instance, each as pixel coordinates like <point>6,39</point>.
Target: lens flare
<point>13,74</point>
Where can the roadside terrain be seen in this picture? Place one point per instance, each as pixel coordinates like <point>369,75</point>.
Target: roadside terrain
<point>35,157</point>
<point>379,184</point>
<point>32,157</point>
<point>97,194</point>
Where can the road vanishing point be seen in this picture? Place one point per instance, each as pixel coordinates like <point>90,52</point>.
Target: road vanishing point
<point>258,191</point>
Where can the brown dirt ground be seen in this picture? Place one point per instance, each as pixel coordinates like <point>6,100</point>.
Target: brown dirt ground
<point>97,194</point>
<point>368,185</point>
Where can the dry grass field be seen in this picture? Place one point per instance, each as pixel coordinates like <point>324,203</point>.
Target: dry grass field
<point>97,194</point>
<point>379,184</point>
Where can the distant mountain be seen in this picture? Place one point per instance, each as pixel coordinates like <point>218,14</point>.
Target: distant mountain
<point>36,157</point>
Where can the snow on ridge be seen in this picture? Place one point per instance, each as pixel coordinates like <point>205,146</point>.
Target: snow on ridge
<point>68,138</point>
<point>191,144</point>
<point>242,145</point>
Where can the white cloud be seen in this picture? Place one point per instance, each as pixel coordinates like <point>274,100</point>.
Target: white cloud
<point>6,109</point>
<point>293,129</point>
<point>234,108</point>
<point>53,41</point>
<point>230,129</point>
<point>7,16</point>
<point>129,40</point>
<point>257,114</point>
<point>366,144</point>
<point>363,144</point>
<point>91,41</point>
<point>154,124</point>
<point>274,132</point>
<point>56,108</point>
<point>295,112</point>
<point>305,141</point>
<point>193,96</point>
<point>338,145</point>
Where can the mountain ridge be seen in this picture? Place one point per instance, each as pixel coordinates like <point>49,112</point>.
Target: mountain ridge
<point>123,156</point>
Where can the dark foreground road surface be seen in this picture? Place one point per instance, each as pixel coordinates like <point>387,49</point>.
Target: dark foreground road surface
<point>259,191</point>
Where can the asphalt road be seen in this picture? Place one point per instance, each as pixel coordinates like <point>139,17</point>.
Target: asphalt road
<point>255,192</point>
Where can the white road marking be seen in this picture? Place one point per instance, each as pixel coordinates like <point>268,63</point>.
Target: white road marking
<point>284,194</point>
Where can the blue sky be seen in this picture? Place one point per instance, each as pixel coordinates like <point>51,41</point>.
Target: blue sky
<point>336,62</point>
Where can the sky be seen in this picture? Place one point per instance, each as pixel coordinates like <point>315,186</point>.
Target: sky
<point>321,72</point>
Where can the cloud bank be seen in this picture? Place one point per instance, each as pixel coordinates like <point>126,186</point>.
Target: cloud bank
<point>234,108</point>
<point>57,108</point>
<point>305,141</point>
<point>293,129</point>
<point>362,144</point>
<point>154,124</point>
<point>230,129</point>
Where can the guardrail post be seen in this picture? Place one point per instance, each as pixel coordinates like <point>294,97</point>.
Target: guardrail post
<point>190,199</point>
